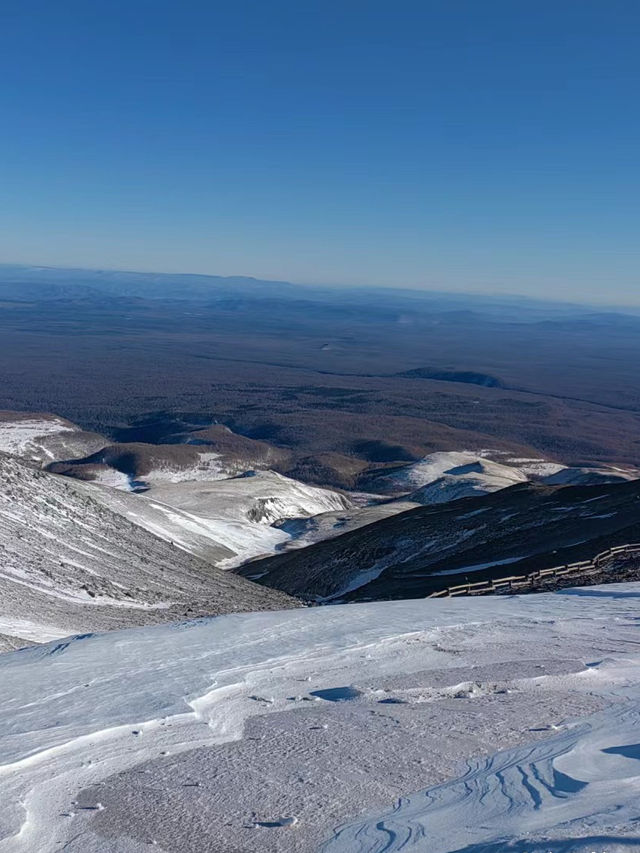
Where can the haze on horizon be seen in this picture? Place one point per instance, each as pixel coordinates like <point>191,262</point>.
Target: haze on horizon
<point>446,145</point>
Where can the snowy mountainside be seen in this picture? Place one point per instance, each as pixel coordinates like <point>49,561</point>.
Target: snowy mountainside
<point>328,525</point>
<point>68,563</point>
<point>194,500</point>
<point>260,496</point>
<point>222,521</point>
<point>43,438</point>
<point>200,497</point>
<point>513,531</point>
<point>359,717</point>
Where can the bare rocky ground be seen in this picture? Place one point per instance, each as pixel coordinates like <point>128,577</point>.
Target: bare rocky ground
<point>323,763</point>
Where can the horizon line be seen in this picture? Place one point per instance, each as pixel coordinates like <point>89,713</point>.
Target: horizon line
<point>406,288</point>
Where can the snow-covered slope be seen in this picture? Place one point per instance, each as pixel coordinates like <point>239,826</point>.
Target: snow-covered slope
<point>328,525</point>
<point>69,563</point>
<point>447,476</point>
<point>493,725</point>
<point>44,438</point>
<point>262,497</point>
<point>138,467</point>
<point>222,521</point>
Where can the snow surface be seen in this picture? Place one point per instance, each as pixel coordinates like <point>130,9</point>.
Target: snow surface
<point>210,466</point>
<point>28,630</point>
<point>262,497</point>
<point>92,710</point>
<point>105,476</point>
<point>476,567</point>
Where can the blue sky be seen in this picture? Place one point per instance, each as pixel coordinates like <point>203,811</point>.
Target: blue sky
<point>453,144</point>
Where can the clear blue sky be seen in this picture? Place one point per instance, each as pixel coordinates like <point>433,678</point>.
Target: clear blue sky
<point>465,144</point>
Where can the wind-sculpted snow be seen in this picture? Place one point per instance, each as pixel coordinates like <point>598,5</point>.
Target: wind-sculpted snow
<point>535,796</point>
<point>80,712</point>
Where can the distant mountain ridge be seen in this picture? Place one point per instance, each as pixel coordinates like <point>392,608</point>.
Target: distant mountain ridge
<point>27,281</point>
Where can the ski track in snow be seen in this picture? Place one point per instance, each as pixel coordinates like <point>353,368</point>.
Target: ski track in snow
<point>77,711</point>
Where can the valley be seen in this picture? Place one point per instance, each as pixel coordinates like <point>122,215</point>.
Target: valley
<point>449,514</point>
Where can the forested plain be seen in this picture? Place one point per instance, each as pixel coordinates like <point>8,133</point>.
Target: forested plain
<point>339,383</point>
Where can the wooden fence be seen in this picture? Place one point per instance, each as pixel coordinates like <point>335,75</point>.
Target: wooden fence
<point>515,582</point>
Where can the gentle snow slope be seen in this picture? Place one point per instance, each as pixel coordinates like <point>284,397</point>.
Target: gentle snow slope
<point>134,715</point>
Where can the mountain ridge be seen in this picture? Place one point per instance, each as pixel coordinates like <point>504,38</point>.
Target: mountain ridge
<point>422,550</point>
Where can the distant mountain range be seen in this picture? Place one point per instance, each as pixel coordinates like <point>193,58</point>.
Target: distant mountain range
<point>26,282</point>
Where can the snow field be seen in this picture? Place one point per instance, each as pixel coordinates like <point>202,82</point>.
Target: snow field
<point>190,686</point>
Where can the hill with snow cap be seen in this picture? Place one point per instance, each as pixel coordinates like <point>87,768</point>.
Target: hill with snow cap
<point>42,438</point>
<point>450,475</point>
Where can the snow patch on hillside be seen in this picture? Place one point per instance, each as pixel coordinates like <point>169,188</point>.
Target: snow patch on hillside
<point>20,437</point>
<point>209,467</point>
<point>225,522</point>
<point>44,438</point>
<point>105,476</point>
<point>238,513</point>
<point>29,631</point>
